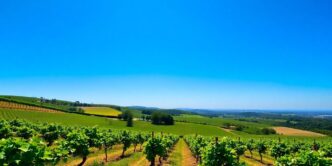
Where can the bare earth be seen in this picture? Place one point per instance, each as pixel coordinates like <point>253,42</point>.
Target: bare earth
<point>296,132</point>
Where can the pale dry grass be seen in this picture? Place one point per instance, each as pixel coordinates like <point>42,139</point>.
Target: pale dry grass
<point>296,132</point>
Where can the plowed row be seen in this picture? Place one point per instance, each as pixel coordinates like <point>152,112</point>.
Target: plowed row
<point>16,106</point>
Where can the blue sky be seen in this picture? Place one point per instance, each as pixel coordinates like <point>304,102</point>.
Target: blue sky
<point>198,54</point>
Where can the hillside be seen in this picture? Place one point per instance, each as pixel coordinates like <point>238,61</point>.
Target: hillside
<point>96,123</point>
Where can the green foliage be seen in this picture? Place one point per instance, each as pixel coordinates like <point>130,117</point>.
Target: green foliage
<point>25,132</point>
<point>160,146</point>
<point>296,147</point>
<point>196,144</point>
<point>304,158</point>
<point>5,130</point>
<point>137,139</point>
<point>108,140</point>
<point>328,150</point>
<point>126,140</point>
<point>218,153</point>
<point>261,148</point>
<point>279,149</point>
<point>94,136</point>
<point>250,145</point>
<point>21,153</point>
<point>50,133</point>
<point>152,149</point>
<point>77,143</point>
<point>240,148</point>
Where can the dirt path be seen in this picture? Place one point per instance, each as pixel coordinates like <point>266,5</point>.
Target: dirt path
<point>181,155</point>
<point>113,155</point>
<point>188,159</point>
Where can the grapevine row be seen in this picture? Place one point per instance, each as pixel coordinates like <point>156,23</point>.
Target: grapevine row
<point>209,151</point>
<point>25,143</point>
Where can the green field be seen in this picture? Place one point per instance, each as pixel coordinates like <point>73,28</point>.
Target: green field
<point>216,120</point>
<point>248,127</point>
<point>84,120</point>
<point>106,111</point>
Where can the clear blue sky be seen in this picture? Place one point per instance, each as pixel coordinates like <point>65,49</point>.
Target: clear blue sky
<point>241,54</point>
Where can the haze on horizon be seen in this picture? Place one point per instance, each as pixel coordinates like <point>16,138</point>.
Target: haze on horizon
<point>170,54</point>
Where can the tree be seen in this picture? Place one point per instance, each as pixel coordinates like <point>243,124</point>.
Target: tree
<point>129,119</point>
<point>161,118</point>
<point>127,116</point>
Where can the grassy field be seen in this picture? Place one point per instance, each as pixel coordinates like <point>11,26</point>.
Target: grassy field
<point>84,120</point>
<point>249,127</point>
<point>107,111</point>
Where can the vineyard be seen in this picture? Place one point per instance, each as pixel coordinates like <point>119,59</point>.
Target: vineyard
<point>26,143</point>
<point>209,151</point>
<point>17,106</point>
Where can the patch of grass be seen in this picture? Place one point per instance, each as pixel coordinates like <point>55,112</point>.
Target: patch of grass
<point>176,157</point>
<point>107,111</point>
<point>127,161</point>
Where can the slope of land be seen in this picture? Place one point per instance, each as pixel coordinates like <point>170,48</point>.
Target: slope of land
<point>85,120</point>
